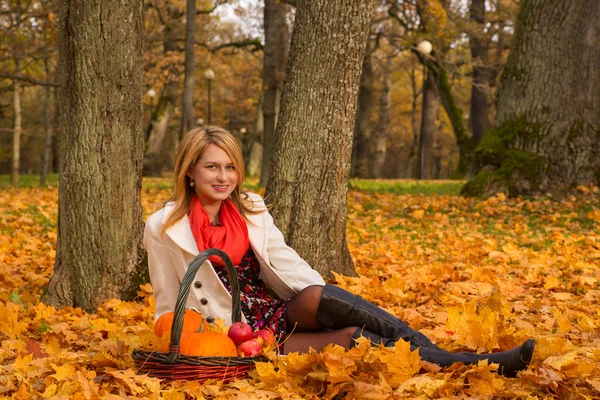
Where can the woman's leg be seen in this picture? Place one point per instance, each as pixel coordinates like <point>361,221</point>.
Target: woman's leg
<point>301,342</point>
<point>301,310</point>
<point>330,307</point>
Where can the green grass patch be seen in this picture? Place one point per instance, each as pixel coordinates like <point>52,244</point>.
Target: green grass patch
<point>408,186</point>
<point>28,180</point>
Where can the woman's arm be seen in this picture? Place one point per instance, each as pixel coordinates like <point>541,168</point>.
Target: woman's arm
<point>162,272</point>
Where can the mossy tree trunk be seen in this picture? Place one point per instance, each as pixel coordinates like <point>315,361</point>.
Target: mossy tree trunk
<point>311,161</point>
<point>547,134</point>
<point>429,127</point>
<point>99,252</point>
<point>464,139</point>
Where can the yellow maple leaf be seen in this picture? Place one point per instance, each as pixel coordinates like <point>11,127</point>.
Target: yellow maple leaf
<point>63,372</point>
<point>421,385</point>
<point>22,363</point>
<point>399,362</point>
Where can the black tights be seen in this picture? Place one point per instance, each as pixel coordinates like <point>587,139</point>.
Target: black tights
<point>301,318</point>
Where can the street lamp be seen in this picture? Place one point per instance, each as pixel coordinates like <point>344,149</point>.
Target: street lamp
<point>424,47</point>
<point>152,94</point>
<point>209,75</point>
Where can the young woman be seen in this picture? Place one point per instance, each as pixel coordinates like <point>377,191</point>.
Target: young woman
<point>279,290</point>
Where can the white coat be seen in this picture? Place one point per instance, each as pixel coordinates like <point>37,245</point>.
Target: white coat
<point>282,270</point>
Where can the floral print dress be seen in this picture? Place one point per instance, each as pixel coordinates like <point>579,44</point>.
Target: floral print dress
<point>260,309</point>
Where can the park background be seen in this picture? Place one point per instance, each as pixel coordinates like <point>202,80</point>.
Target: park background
<point>474,273</point>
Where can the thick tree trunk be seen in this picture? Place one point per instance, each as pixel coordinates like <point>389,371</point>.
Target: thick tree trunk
<point>99,252</point>
<point>378,156</point>
<point>275,55</point>
<point>187,110</point>
<point>479,118</point>
<point>47,121</point>
<point>16,150</point>
<point>429,115</point>
<point>313,146</point>
<point>362,127</point>
<point>547,134</point>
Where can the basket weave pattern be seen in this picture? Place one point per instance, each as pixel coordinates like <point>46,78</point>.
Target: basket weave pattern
<point>173,365</point>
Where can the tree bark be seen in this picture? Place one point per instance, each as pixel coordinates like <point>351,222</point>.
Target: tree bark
<point>275,55</point>
<point>362,126</point>
<point>99,250</point>
<point>547,130</point>
<point>16,150</point>
<point>311,161</point>
<point>47,118</point>
<point>478,117</point>
<point>429,114</point>
<point>187,113</point>
<point>378,156</point>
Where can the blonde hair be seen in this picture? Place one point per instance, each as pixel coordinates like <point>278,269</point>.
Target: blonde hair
<point>192,147</point>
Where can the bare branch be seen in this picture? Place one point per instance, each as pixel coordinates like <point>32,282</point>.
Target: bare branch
<point>27,79</point>
<point>217,4</point>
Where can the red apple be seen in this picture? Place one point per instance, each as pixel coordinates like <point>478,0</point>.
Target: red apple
<point>240,332</point>
<point>249,348</point>
<point>264,337</point>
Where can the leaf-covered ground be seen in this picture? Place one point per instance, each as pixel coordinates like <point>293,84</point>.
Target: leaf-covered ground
<point>479,275</point>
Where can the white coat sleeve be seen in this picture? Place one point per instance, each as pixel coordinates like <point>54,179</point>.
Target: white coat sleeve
<point>287,272</point>
<point>163,275</point>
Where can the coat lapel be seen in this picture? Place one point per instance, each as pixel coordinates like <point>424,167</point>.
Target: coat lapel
<point>181,233</point>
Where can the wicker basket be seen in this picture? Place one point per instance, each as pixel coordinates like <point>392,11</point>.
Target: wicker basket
<point>172,365</point>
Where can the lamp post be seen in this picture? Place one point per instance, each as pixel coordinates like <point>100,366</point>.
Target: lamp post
<point>209,75</point>
<point>152,94</point>
<point>424,47</point>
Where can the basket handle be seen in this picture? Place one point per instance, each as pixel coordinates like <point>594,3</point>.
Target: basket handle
<point>184,291</point>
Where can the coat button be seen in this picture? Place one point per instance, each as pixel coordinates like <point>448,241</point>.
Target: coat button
<point>204,301</point>
<point>197,284</point>
<point>210,319</point>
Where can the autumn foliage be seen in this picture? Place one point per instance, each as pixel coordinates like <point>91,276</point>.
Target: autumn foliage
<point>478,275</point>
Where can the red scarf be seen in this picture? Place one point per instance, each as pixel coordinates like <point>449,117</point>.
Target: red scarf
<point>231,237</point>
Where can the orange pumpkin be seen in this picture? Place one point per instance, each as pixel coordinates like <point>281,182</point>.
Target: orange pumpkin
<point>207,344</point>
<point>192,321</point>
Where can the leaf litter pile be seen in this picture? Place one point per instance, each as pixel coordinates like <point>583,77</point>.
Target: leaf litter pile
<point>472,274</point>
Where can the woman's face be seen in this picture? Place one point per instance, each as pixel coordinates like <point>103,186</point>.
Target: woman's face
<point>214,175</point>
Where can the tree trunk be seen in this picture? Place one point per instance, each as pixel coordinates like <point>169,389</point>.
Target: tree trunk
<point>16,152</point>
<point>159,139</point>
<point>255,157</point>
<point>362,126</point>
<point>464,140</point>
<point>47,119</point>
<point>313,145</point>
<point>547,134</point>
<point>429,114</point>
<point>275,55</point>
<point>187,113</point>
<point>378,157</point>
<point>479,117</point>
<point>99,251</point>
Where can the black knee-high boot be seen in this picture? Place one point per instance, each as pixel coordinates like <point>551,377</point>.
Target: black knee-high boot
<point>510,361</point>
<point>339,308</point>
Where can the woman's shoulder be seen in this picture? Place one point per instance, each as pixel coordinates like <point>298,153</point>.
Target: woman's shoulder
<point>256,202</point>
<point>157,219</point>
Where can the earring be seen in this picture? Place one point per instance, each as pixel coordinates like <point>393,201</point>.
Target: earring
<point>192,183</point>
